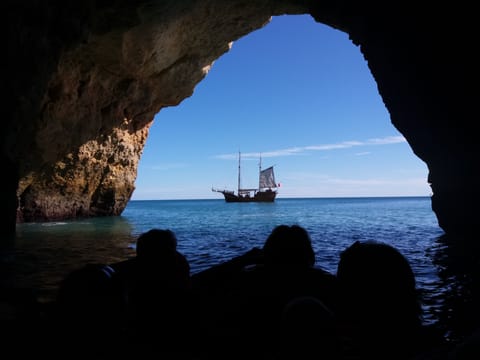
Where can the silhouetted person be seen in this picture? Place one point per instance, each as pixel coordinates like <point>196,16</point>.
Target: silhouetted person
<point>380,307</point>
<point>156,285</point>
<point>88,311</point>
<point>308,329</point>
<point>288,270</point>
<point>212,290</point>
<point>218,279</point>
<point>253,307</point>
<point>288,247</point>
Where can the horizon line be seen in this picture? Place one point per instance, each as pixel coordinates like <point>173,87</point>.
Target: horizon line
<point>299,197</point>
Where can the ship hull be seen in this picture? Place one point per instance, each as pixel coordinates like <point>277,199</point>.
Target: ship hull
<point>260,196</point>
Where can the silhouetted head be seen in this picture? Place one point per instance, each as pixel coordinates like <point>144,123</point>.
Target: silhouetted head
<point>378,284</point>
<point>158,258</point>
<point>289,246</point>
<point>156,242</point>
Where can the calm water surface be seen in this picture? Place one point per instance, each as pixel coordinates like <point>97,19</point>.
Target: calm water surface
<point>212,231</point>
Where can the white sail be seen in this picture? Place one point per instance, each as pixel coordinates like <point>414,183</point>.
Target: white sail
<point>267,178</point>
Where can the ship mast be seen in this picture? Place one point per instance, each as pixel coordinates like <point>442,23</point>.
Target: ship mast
<point>259,172</point>
<point>238,190</point>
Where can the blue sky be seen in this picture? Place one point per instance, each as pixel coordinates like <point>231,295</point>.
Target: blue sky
<point>300,94</point>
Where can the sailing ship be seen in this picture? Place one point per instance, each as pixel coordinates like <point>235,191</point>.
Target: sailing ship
<point>266,191</point>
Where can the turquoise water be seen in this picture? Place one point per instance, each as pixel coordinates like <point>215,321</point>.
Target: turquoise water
<point>212,231</point>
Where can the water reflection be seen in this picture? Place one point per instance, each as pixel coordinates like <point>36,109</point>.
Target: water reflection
<point>43,253</point>
<point>458,264</point>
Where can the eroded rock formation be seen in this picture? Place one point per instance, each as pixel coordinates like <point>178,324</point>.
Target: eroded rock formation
<point>85,80</point>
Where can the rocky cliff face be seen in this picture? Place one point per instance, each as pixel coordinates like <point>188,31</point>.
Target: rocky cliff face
<point>86,79</point>
<point>91,110</point>
<point>95,180</point>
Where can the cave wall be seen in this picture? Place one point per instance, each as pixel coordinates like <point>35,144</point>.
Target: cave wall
<point>85,80</point>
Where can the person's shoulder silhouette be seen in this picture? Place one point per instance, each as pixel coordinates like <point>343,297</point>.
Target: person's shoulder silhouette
<point>156,284</point>
<point>87,292</point>
<point>290,265</point>
<point>378,283</point>
<point>380,305</point>
<point>286,273</point>
<point>89,309</point>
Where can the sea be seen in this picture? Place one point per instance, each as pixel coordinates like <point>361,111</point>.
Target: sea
<point>212,231</point>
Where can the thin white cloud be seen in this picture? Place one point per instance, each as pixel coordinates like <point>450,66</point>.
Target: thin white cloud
<point>342,145</point>
<point>386,140</point>
<point>325,147</point>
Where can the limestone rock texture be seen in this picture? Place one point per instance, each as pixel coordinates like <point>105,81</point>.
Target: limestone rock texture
<point>86,78</point>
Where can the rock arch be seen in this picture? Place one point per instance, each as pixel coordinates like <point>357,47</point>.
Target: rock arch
<point>86,79</point>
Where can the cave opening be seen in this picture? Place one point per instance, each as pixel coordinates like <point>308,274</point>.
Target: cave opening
<point>300,94</point>
<point>226,173</point>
